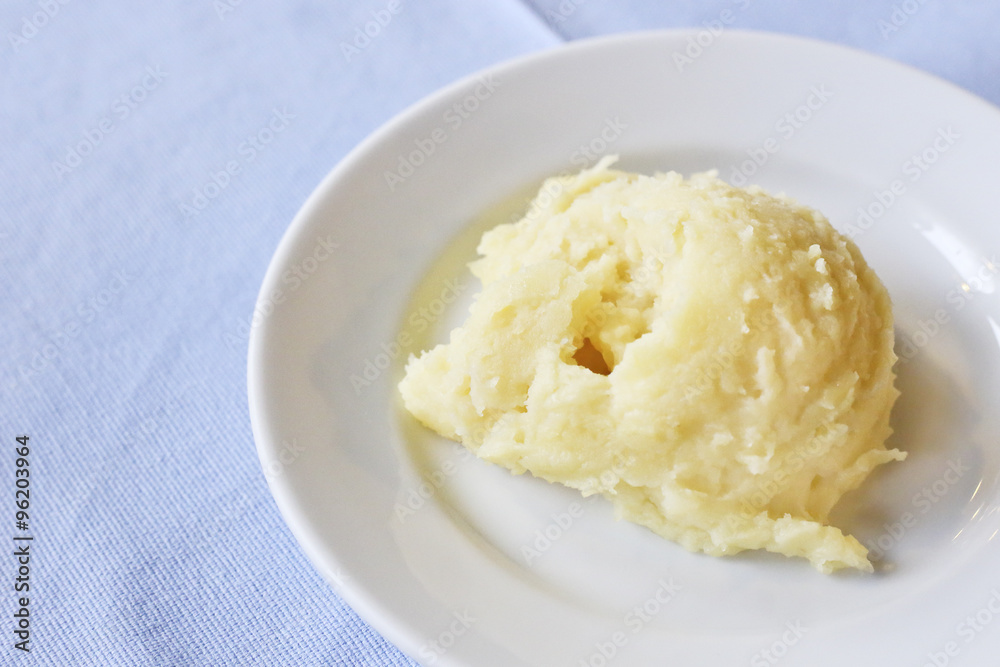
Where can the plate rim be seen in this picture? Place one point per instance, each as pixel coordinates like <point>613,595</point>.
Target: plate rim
<point>381,618</point>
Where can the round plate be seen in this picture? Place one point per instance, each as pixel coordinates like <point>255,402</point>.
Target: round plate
<point>460,563</point>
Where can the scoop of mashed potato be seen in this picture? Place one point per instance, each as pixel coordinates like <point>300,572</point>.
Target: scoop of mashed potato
<point>715,361</point>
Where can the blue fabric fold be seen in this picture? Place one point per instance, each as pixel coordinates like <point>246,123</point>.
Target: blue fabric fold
<point>152,157</point>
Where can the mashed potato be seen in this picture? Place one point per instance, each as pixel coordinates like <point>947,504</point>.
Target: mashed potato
<point>716,362</point>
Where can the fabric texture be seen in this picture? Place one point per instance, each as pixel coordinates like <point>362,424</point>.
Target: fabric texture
<point>151,157</point>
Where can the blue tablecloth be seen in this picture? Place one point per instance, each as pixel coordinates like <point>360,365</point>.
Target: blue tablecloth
<point>151,156</point>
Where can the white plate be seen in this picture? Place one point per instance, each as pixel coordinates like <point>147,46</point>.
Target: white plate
<point>450,582</point>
